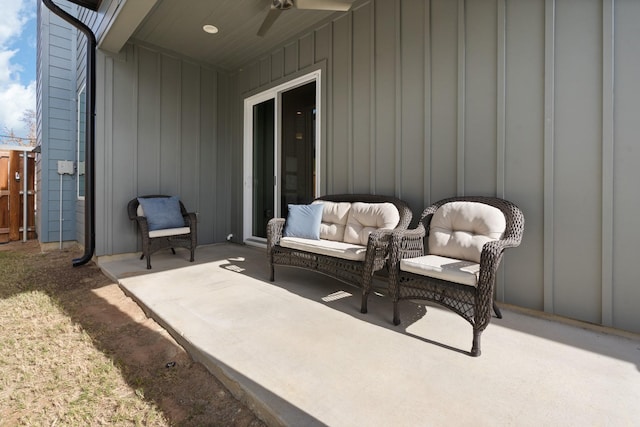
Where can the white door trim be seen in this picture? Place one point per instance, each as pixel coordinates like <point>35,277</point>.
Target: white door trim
<point>276,94</point>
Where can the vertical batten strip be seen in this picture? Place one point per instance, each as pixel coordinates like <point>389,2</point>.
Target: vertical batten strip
<point>461,98</point>
<point>107,162</point>
<point>427,105</point>
<point>549,101</point>
<point>214,152</point>
<point>159,119</point>
<point>134,109</point>
<point>501,117</point>
<point>350,108</point>
<point>501,99</point>
<point>608,141</point>
<point>313,50</point>
<point>330,104</point>
<point>398,118</point>
<point>179,124</point>
<point>198,142</point>
<point>372,104</point>
<point>284,64</point>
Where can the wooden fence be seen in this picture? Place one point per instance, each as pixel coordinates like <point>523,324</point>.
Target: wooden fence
<point>12,195</point>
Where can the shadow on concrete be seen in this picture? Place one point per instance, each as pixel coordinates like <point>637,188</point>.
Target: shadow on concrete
<point>319,288</point>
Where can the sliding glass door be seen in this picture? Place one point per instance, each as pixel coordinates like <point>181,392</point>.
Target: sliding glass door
<point>263,166</point>
<point>281,153</point>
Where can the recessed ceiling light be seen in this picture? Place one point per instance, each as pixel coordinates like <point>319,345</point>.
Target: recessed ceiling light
<point>211,29</point>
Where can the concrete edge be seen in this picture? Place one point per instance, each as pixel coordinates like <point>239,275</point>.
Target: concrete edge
<point>593,327</point>
<point>263,411</point>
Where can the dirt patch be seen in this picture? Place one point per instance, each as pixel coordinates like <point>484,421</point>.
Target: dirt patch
<point>154,366</point>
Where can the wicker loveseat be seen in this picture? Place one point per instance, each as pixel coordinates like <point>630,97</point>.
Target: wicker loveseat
<point>353,239</point>
<point>466,239</point>
<point>182,233</point>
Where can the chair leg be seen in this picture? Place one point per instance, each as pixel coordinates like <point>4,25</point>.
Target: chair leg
<point>271,276</point>
<point>192,255</point>
<point>148,262</point>
<point>496,309</point>
<point>142,256</point>
<point>475,348</point>
<point>396,313</point>
<point>173,250</point>
<point>363,304</point>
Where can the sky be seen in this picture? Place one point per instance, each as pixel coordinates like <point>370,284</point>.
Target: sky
<point>18,22</point>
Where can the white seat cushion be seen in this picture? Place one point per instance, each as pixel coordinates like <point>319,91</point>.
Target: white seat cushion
<point>169,232</point>
<point>460,229</point>
<point>365,218</point>
<point>326,247</point>
<point>450,269</point>
<point>164,232</point>
<point>334,219</point>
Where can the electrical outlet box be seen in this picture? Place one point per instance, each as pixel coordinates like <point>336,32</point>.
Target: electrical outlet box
<point>65,167</point>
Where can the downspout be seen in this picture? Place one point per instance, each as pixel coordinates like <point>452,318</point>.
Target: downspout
<point>90,203</point>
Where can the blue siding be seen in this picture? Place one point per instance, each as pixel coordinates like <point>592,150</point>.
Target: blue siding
<point>56,124</point>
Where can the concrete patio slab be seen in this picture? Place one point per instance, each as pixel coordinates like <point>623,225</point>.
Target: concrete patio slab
<point>299,352</point>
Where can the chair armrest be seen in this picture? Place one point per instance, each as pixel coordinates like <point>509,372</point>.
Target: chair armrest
<point>377,249</point>
<point>143,225</point>
<point>490,258</point>
<point>406,244</point>
<point>275,226</point>
<point>190,219</point>
<point>379,239</point>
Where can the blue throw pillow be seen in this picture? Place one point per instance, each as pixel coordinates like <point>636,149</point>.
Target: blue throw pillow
<point>162,212</point>
<point>304,221</point>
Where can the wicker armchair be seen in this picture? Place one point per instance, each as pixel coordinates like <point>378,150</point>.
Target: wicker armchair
<point>464,283</point>
<point>154,240</point>
<point>353,272</point>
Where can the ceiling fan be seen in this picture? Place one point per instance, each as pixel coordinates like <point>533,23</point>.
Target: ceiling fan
<point>279,6</point>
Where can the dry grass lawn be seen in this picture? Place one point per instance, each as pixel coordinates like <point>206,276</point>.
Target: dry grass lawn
<point>74,350</point>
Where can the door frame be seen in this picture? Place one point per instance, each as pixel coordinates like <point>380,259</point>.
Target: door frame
<point>249,102</point>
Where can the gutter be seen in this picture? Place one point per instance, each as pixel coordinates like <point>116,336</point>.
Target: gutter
<point>90,201</point>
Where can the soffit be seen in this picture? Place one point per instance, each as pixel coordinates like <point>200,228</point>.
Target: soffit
<point>176,25</point>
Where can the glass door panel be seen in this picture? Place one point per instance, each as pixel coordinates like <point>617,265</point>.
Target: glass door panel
<point>297,174</point>
<point>263,167</point>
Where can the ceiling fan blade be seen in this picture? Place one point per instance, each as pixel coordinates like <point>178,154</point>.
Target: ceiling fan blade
<point>337,5</point>
<point>269,20</point>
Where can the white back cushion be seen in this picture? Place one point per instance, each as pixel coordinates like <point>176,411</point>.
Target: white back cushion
<point>140,211</point>
<point>459,229</point>
<point>334,219</point>
<point>367,217</point>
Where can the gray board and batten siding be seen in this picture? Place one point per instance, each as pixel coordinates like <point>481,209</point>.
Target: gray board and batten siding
<point>512,98</point>
<point>158,132</point>
<point>56,124</point>
<point>535,101</point>
<point>160,118</point>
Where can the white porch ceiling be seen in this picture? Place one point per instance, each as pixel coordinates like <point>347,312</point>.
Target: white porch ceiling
<point>176,25</point>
